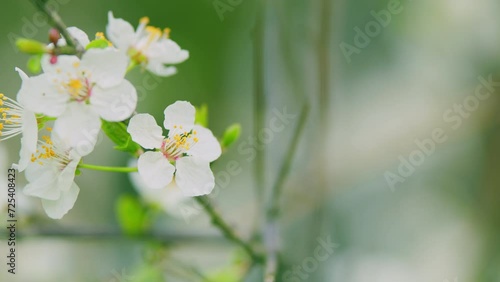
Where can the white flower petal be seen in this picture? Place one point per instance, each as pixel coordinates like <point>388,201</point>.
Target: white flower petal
<point>78,128</point>
<point>208,147</point>
<point>120,32</point>
<point>170,198</point>
<point>29,139</point>
<point>194,177</point>
<point>79,35</point>
<point>66,65</point>
<point>156,171</point>
<point>42,181</point>
<point>145,132</point>
<point>107,67</point>
<point>67,175</point>
<point>115,103</point>
<point>39,95</point>
<point>160,69</point>
<point>180,113</point>
<point>58,208</point>
<point>166,51</point>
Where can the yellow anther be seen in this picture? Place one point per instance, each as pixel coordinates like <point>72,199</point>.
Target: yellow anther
<point>144,20</point>
<point>195,139</point>
<point>194,132</point>
<point>1,126</point>
<point>75,84</point>
<point>49,129</point>
<point>76,64</point>
<point>153,30</point>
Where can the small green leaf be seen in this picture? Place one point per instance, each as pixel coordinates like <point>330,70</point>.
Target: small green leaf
<point>117,132</point>
<point>231,135</point>
<point>35,64</point>
<point>30,46</point>
<point>131,214</point>
<point>201,116</point>
<point>98,43</point>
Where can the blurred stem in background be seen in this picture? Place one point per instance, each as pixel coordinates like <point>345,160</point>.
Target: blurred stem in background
<point>259,104</point>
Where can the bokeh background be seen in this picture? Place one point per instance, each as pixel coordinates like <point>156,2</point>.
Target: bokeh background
<point>368,109</point>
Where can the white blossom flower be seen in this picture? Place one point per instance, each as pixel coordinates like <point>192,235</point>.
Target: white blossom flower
<point>147,46</point>
<point>17,120</point>
<point>187,151</point>
<point>80,92</point>
<point>51,174</point>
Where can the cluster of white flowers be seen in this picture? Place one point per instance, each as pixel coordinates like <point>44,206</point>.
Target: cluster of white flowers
<point>77,93</point>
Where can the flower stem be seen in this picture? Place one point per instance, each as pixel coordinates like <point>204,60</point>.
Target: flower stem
<point>108,168</point>
<point>227,230</point>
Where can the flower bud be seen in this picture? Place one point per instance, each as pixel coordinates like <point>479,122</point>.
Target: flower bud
<point>30,46</point>
<point>54,36</point>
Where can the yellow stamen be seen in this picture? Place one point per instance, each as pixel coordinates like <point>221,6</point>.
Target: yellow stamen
<point>144,20</point>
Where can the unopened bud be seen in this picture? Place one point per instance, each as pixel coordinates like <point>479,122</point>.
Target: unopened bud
<point>54,35</point>
<point>30,46</point>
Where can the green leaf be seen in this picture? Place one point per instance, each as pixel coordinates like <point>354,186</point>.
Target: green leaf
<point>148,273</point>
<point>131,215</point>
<point>98,43</point>
<point>35,64</point>
<point>231,135</point>
<point>201,116</point>
<point>117,132</point>
<point>30,46</point>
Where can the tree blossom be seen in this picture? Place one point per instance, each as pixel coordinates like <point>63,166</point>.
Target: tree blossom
<point>51,174</point>
<point>80,92</point>
<point>17,120</point>
<point>186,152</point>
<point>147,46</point>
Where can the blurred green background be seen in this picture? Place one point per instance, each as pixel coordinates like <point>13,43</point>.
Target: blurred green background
<point>368,109</point>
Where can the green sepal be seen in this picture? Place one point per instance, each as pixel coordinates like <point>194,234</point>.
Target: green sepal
<point>117,132</point>
<point>98,43</point>
<point>35,63</point>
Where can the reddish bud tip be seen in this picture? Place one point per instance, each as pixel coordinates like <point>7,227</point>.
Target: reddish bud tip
<point>53,59</point>
<point>54,35</point>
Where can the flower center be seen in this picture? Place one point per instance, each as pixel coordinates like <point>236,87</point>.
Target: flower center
<point>10,118</point>
<point>178,143</point>
<point>146,36</point>
<point>47,152</point>
<point>79,89</point>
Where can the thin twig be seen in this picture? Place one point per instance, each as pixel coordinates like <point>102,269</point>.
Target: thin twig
<point>228,231</point>
<point>271,233</point>
<point>56,21</point>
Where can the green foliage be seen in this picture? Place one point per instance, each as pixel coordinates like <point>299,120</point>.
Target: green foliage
<point>201,117</point>
<point>117,132</point>
<point>30,46</point>
<point>98,43</point>
<point>231,135</point>
<point>35,63</point>
<point>132,215</point>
